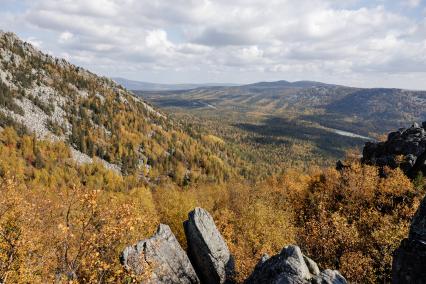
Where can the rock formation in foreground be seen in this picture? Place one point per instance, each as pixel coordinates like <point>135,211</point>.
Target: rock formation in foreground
<point>207,249</point>
<point>159,259</point>
<point>409,260</point>
<point>291,266</point>
<point>405,148</point>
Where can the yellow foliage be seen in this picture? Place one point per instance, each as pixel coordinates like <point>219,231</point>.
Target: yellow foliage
<point>63,222</point>
<point>212,139</point>
<point>357,214</point>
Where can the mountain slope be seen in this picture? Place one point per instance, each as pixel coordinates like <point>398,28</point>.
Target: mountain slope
<point>97,118</point>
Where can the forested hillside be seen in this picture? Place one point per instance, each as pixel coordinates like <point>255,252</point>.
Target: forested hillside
<point>360,110</point>
<point>87,169</point>
<point>98,119</point>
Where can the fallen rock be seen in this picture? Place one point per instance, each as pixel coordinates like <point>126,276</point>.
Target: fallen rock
<point>291,266</point>
<point>159,259</point>
<point>207,249</point>
<point>409,260</point>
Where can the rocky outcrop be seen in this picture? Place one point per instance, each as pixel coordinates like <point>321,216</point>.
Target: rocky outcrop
<point>159,259</point>
<point>405,148</point>
<point>291,266</point>
<point>409,260</point>
<point>207,249</point>
<point>329,276</point>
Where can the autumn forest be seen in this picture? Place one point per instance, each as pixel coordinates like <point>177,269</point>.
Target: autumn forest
<point>87,167</point>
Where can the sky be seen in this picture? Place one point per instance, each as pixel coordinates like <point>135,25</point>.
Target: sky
<point>375,43</point>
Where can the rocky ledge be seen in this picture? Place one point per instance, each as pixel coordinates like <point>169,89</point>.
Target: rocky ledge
<point>405,148</point>
<point>160,259</point>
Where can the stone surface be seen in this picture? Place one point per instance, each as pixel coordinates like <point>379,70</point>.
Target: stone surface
<point>329,276</point>
<point>207,249</point>
<point>286,267</point>
<point>408,144</point>
<point>160,258</point>
<point>409,260</point>
<point>291,266</point>
<point>312,265</point>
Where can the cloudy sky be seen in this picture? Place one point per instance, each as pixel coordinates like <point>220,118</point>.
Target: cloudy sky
<point>354,42</point>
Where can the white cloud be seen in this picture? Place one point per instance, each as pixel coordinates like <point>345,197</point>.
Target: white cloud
<point>34,41</point>
<point>413,3</point>
<point>65,37</point>
<point>240,40</point>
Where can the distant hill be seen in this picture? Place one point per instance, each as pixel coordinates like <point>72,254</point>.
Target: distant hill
<point>147,86</point>
<point>286,84</point>
<point>361,110</point>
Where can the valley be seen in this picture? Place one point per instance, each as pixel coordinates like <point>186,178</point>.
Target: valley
<point>292,124</point>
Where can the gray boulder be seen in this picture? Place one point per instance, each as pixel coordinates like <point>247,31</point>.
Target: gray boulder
<point>286,267</point>
<point>207,249</point>
<point>329,276</point>
<point>409,260</point>
<point>290,266</point>
<point>312,265</point>
<point>161,258</point>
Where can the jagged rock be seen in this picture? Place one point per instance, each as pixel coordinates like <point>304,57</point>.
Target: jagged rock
<point>291,266</point>
<point>207,249</point>
<point>329,276</point>
<point>409,260</point>
<point>161,258</point>
<point>409,143</point>
<point>312,265</point>
<point>281,268</point>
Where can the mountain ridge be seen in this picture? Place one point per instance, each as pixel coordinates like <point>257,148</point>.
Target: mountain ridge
<point>135,85</point>
<point>359,110</point>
